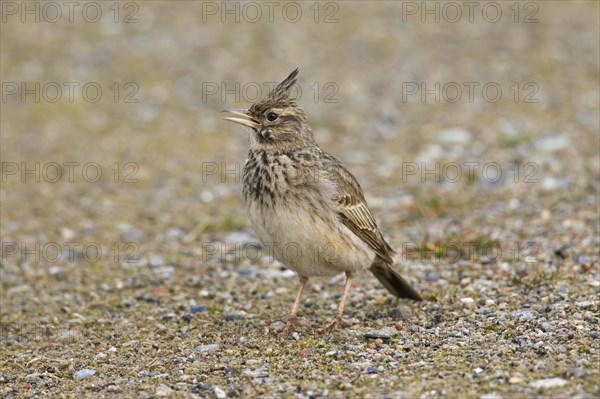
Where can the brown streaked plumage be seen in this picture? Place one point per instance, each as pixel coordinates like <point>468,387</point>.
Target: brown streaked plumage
<point>299,196</point>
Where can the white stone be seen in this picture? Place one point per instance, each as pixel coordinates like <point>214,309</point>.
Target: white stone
<point>584,304</point>
<point>455,135</point>
<point>67,233</point>
<point>84,373</point>
<point>219,393</point>
<point>549,383</point>
<point>206,348</point>
<point>551,143</point>
<point>491,395</point>
<point>163,390</point>
<point>468,301</point>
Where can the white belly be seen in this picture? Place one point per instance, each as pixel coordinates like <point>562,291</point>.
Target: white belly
<point>309,245</point>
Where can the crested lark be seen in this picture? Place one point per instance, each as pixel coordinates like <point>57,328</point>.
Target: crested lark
<point>305,205</point>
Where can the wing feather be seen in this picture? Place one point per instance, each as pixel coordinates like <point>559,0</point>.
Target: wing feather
<point>353,210</point>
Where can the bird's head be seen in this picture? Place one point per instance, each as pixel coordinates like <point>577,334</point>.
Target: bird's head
<point>275,120</point>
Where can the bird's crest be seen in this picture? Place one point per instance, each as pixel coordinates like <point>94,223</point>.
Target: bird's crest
<point>279,96</point>
<point>283,88</point>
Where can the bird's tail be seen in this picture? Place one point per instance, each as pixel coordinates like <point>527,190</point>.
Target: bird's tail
<point>392,280</point>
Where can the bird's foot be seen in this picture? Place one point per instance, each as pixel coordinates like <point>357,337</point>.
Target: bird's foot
<point>291,325</point>
<point>337,322</point>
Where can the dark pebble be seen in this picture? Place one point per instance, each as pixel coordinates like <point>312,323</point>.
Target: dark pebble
<point>197,309</point>
<point>377,334</point>
<point>562,251</point>
<point>148,298</point>
<point>247,273</point>
<point>371,370</point>
<point>376,316</point>
<point>200,389</point>
<point>577,373</point>
<point>233,316</point>
<point>167,317</point>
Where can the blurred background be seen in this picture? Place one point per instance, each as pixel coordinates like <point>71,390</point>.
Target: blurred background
<point>111,136</point>
<point>137,88</point>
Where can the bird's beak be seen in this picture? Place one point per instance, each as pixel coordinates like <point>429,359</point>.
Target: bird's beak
<point>245,120</point>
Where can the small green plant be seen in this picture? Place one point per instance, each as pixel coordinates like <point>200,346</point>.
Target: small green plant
<point>506,334</point>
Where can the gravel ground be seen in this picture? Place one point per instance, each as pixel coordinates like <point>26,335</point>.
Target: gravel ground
<point>147,281</point>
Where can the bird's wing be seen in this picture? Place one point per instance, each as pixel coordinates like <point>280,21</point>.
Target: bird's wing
<point>353,211</point>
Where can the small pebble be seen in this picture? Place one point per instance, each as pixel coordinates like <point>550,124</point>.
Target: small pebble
<point>174,233</point>
<point>57,272</point>
<point>163,390</point>
<point>549,383</point>
<point>156,260</point>
<point>197,309</point>
<point>277,326</point>
<point>304,352</point>
<point>514,380</point>
<point>206,348</point>
<point>234,316</point>
<point>219,393</point>
<point>67,233</point>
<point>113,389</point>
<point>490,395</point>
<point>83,374</point>
<point>377,335</point>
<point>169,316</point>
<point>468,301</point>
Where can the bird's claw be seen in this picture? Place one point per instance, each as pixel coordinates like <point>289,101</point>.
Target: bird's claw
<point>338,321</point>
<point>292,324</point>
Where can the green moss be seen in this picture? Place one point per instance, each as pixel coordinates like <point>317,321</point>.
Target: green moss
<point>490,327</point>
<point>506,334</point>
<point>513,140</point>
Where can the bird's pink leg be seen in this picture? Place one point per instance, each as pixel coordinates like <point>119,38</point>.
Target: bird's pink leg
<point>340,311</point>
<point>293,319</point>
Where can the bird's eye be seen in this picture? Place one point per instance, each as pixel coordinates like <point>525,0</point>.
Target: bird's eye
<point>271,116</point>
